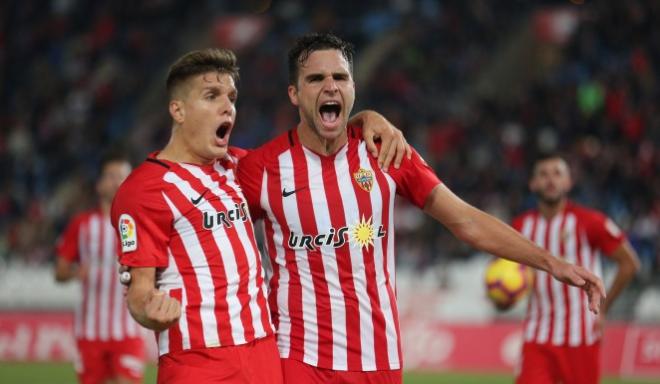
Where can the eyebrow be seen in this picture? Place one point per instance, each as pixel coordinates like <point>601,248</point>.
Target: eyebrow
<point>312,76</point>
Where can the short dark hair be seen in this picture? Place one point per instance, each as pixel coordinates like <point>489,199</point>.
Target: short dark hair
<point>308,43</point>
<point>544,156</point>
<point>113,156</point>
<point>197,62</point>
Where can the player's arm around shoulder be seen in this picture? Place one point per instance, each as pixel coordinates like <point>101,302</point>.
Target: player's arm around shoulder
<point>491,235</point>
<point>150,307</point>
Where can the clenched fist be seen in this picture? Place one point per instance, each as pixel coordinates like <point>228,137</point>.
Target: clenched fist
<point>161,310</point>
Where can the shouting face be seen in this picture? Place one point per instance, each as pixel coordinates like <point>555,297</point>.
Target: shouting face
<point>205,112</point>
<point>324,93</point>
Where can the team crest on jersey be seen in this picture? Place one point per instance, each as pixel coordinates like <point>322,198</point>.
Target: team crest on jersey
<point>364,178</point>
<point>128,233</point>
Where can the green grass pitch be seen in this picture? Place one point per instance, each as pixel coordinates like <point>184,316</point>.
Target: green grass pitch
<point>62,373</point>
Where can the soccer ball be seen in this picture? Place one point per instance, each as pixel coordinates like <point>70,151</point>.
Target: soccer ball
<point>507,282</point>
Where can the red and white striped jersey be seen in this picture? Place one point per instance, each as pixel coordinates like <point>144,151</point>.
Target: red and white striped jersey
<point>101,315</point>
<point>558,313</point>
<point>191,222</point>
<point>330,238</point>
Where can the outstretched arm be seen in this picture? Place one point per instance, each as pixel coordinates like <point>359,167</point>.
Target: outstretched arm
<point>491,235</point>
<point>376,127</point>
<point>150,307</point>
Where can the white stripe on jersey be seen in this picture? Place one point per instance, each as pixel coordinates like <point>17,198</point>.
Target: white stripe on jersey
<point>292,216</point>
<point>533,312</point>
<point>559,328</point>
<point>337,303</point>
<point>93,275</point>
<point>351,215</point>
<point>542,286</point>
<point>570,249</point>
<point>202,272</point>
<point>108,253</point>
<point>589,318</point>
<point>383,295</point>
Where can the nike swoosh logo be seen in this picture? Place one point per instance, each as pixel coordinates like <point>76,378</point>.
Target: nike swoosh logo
<point>198,199</point>
<point>286,193</point>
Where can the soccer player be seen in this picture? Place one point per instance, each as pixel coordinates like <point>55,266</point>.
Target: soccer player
<point>186,234</point>
<point>328,214</point>
<point>110,346</point>
<point>561,337</point>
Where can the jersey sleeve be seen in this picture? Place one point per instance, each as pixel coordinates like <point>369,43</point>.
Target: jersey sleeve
<point>414,179</point>
<point>603,233</point>
<point>67,246</point>
<point>143,222</point>
<point>250,175</point>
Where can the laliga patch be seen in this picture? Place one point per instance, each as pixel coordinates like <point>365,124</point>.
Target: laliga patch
<point>364,178</point>
<point>128,233</point>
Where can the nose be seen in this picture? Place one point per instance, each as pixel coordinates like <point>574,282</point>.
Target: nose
<point>226,107</point>
<point>330,85</point>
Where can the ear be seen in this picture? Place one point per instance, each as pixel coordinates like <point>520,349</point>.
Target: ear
<point>177,111</point>
<point>293,94</point>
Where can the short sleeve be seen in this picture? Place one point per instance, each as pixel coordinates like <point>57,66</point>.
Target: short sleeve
<point>143,222</point>
<point>67,246</point>
<point>414,179</point>
<point>250,175</point>
<point>603,233</point>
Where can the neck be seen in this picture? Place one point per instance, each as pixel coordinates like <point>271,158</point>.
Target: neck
<point>105,207</point>
<point>550,210</point>
<point>319,144</point>
<point>177,151</point>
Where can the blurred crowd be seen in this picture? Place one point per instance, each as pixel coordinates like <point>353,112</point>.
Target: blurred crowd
<point>81,77</point>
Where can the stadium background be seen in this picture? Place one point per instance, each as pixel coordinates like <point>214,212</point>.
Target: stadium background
<point>478,87</point>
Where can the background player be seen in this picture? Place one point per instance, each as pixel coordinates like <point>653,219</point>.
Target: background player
<point>328,211</point>
<point>186,234</point>
<point>109,342</point>
<point>562,339</point>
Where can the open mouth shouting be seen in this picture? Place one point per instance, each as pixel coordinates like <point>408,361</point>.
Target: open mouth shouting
<point>222,133</point>
<point>330,112</point>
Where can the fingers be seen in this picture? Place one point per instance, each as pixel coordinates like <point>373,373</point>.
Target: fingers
<point>385,145</point>
<point>369,139</point>
<point>389,156</point>
<point>162,309</point>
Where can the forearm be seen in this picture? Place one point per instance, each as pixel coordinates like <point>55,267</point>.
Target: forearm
<point>627,266</point>
<point>139,291</point>
<point>65,271</point>
<point>489,234</point>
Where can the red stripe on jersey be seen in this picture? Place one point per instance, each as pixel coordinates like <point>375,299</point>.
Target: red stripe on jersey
<point>174,333</point>
<point>567,299</point>
<point>580,261</point>
<point>365,210</point>
<point>305,209</point>
<point>385,193</point>
<point>242,263</point>
<point>344,267</point>
<point>99,277</point>
<point>548,282</point>
<point>212,255</point>
<point>294,286</point>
